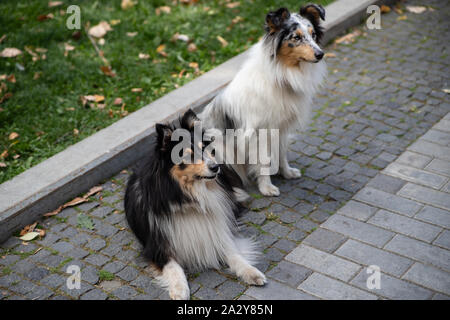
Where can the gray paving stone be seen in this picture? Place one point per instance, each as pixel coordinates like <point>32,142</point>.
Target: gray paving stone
<point>285,245</point>
<point>125,293</point>
<point>289,273</point>
<point>431,149</point>
<point>62,246</point>
<point>325,240</point>
<point>23,287</point>
<point>296,235</point>
<point>328,288</point>
<point>439,296</point>
<point>415,175</point>
<point>230,289</point>
<point>386,183</point>
<point>438,137</point>
<point>128,274</point>
<point>358,230</point>
<point>419,250</point>
<point>429,277</point>
<point>388,201</point>
<point>404,225</point>
<point>39,293</point>
<point>53,281</point>
<point>435,216</point>
<point>443,240</point>
<point>357,210</point>
<point>306,225</point>
<point>368,255</point>
<point>392,288</point>
<point>274,290</point>
<point>323,262</point>
<point>90,274</point>
<point>95,294</point>
<point>96,244</point>
<point>101,212</point>
<point>97,259</point>
<point>210,279</point>
<point>426,195</point>
<point>114,266</point>
<point>439,166</point>
<point>414,159</point>
<point>37,273</point>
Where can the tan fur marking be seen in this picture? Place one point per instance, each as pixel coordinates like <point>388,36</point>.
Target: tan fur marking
<point>310,30</point>
<point>292,56</point>
<point>299,32</point>
<point>186,176</point>
<point>314,12</point>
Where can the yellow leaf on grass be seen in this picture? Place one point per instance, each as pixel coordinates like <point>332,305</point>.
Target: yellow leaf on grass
<point>114,22</point>
<point>222,41</point>
<point>232,5</point>
<point>10,53</point>
<point>100,30</point>
<point>52,4</point>
<point>144,56</point>
<point>107,71</point>
<point>160,48</point>
<point>13,135</point>
<point>401,18</point>
<point>127,4</point>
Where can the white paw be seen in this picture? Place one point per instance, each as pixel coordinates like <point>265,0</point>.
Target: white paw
<point>291,173</point>
<point>253,276</point>
<point>179,292</point>
<point>269,190</point>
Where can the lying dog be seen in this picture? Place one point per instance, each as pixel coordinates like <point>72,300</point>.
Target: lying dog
<point>184,214</point>
<point>275,87</point>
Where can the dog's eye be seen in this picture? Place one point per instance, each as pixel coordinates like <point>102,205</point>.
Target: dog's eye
<point>314,35</point>
<point>297,37</point>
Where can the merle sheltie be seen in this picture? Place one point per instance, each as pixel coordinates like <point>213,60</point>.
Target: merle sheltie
<point>185,214</point>
<point>275,86</point>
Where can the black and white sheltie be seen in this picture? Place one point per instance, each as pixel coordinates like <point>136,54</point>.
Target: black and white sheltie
<point>275,86</point>
<point>185,214</point>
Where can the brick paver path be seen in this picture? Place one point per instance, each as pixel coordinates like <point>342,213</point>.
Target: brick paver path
<point>384,91</point>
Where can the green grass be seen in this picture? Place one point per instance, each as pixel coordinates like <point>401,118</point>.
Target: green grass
<point>105,275</point>
<point>45,111</point>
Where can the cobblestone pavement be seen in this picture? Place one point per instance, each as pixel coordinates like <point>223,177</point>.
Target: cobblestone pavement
<point>384,91</point>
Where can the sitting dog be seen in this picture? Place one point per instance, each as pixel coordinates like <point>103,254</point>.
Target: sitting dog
<point>185,214</point>
<point>275,87</point>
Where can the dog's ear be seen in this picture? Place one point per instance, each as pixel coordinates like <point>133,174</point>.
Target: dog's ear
<point>164,133</point>
<point>188,120</point>
<point>314,13</point>
<point>275,19</point>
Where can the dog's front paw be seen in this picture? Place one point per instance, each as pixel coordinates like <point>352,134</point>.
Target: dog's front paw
<point>253,276</point>
<point>269,190</point>
<point>291,173</point>
<point>179,292</point>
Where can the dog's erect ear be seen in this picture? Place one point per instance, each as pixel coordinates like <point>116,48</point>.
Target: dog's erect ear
<point>188,120</point>
<point>275,19</point>
<point>313,12</point>
<point>164,133</point>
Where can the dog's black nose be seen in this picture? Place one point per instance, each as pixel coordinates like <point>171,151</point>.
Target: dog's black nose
<point>213,167</point>
<point>319,55</point>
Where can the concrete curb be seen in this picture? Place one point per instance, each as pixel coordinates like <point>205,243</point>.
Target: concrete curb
<point>26,197</point>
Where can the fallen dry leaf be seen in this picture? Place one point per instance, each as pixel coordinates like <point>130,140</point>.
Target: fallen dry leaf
<point>136,90</point>
<point>100,30</point>
<point>54,212</point>
<point>101,41</point>
<point>29,236</point>
<point>44,17</point>
<point>114,22</point>
<point>181,37</point>
<point>3,37</point>
<point>127,4</point>
<point>348,38</point>
<point>385,9</point>
<point>416,9</point>
<point>222,41</point>
<point>93,191</point>
<point>132,34</point>
<point>4,154</point>
<point>193,65</point>
<point>41,50</point>
<point>11,78</point>
<point>232,5</point>
<point>36,75</point>
<point>75,201</point>
<point>6,97</point>
<point>160,48</point>
<point>28,228</point>
<point>2,77</point>
<point>237,19</point>
<point>165,9</point>
<point>67,48</point>
<point>13,135</point>
<point>401,18</point>
<point>144,56</point>
<point>52,4</point>
<point>192,47</point>
<point>16,156</point>
<point>107,71</point>
<point>76,132</point>
<point>118,101</point>
<point>3,165</point>
<point>10,53</point>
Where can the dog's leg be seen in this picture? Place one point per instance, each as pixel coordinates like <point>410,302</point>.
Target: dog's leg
<point>244,270</point>
<point>286,171</point>
<point>173,278</point>
<point>266,187</point>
